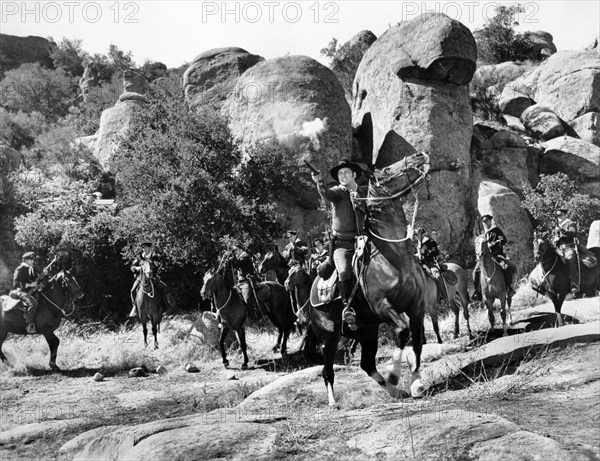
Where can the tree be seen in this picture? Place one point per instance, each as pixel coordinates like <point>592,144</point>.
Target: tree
<point>32,87</point>
<point>183,178</point>
<point>69,56</point>
<point>555,192</point>
<point>153,70</point>
<point>19,129</point>
<point>497,42</point>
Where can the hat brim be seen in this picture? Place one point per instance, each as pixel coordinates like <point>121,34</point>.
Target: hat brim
<point>147,244</point>
<point>487,216</point>
<point>354,167</point>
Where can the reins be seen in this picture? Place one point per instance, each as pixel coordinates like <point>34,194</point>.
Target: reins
<point>70,302</point>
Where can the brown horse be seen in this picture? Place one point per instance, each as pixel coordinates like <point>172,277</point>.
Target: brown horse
<point>457,297</point>
<point>554,280</point>
<point>298,284</point>
<point>274,262</point>
<point>231,312</point>
<point>493,284</point>
<point>394,287</point>
<point>56,300</point>
<point>149,303</point>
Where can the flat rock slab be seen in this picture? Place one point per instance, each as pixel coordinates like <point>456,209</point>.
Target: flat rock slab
<point>82,439</point>
<point>37,430</point>
<point>510,349</point>
<point>454,434</point>
<point>184,438</point>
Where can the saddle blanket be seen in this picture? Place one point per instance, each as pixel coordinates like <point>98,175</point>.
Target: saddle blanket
<point>8,304</point>
<point>324,291</point>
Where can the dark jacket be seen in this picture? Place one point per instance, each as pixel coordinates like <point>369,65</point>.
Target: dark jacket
<point>152,258</point>
<point>429,251</point>
<point>566,231</point>
<point>23,275</point>
<point>297,251</point>
<point>343,218</point>
<point>496,241</point>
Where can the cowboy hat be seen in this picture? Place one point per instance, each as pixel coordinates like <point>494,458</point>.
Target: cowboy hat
<point>561,211</point>
<point>28,255</point>
<point>345,164</point>
<point>487,216</point>
<point>147,244</point>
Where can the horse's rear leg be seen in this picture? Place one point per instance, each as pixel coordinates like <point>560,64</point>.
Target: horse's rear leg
<point>330,346</point>
<point>416,328</point>
<point>503,307</point>
<point>3,335</point>
<point>489,303</point>
<point>464,303</point>
<point>53,343</point>
<point>224,333</point>
<point>436,325</point>
<point>241,336</point>
<point>286,335</point>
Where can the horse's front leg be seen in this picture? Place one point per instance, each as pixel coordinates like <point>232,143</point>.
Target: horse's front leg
<point>145,331</point>
<point>330,346</point>
<point>3,335</point>
<point>279,340</point>
<point>154,333</point>
<point>416,327</point>
<point>241,336</point>
<point>53,343</point>
<point>224,333</point>
<point>503,315</point>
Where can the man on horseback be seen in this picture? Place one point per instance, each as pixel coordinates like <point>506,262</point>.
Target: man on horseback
<point>495,241</point>
<point>320,254</point>
<point>296,250</point>
<point>149,256</point>
<point>569,249</point>
<point>346,226</point>
<point>25,281</point>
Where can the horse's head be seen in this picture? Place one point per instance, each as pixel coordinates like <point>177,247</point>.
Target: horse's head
<point>481,247</point>
<point>271,261</point>
<point>147,269</point>
<point>398,178</point>
<point>67,282</point>
<point>541,246</point>
<point>210,284</point>
<point>294,278</point>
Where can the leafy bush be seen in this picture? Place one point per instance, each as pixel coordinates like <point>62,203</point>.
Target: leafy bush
<point>557,191</point>
<point>20,129</point>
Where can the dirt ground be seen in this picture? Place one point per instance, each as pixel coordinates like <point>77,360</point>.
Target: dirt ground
<point>559,398</point>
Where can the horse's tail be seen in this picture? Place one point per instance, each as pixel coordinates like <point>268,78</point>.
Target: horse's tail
<point>311,344</point>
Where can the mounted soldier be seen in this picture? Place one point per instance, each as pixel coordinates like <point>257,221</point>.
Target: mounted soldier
<point>495,241</point>
<point>149,256</point>
<point>429,255</point>
<point>570,250</point>
<point>25,283</point>
<point>320,255</point>
<point>296,250</point>
<point>347,224</point>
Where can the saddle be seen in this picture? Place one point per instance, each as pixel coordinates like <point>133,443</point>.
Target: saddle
<point>324,291</point>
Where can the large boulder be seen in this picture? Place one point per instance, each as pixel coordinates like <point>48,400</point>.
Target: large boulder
<point>587,127</point>
<point>513,100</point>
<point>539,45</point>
<point>300,104</point>
<point>15,51</point>
<point>542,122</point>
<point>410,94</point>
<point>503,204</point>
<point>212,75</point>
<point>498,75</point>
<point>568,82</point>
<point>346,62</point>
<point>577,158</point>
<point>115,121</point>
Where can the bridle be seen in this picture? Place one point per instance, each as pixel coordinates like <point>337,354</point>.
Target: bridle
<point>70,301</point>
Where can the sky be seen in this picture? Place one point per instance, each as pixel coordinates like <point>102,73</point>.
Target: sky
<point>174,32</point>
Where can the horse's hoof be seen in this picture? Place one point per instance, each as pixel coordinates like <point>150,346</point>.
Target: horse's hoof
<point>54,367</point>
<point>275,349</point>
<point>244,366</point>
<point>226,363</point>
<point>417,390</point>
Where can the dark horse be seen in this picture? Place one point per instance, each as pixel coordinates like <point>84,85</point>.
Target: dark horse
<point>56,300</point>
<point>298,284</point>
<point>274,262</point>
<point>394,287</point>
<point>493,283</point>
<point>554,279</point>
<point>149,303</point>
<point>231,312</point>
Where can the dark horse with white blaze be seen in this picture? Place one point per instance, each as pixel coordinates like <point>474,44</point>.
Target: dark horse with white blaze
<point>554,281</point>
<point>149,303</point>
<point>394,287</point>
<point>493,283</point>
<point>56,300</point>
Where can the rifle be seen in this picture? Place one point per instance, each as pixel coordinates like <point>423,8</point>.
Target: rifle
<point>311,167</point>
<point>44,274</point>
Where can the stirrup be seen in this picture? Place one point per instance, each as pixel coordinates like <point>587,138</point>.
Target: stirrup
<point>30,329</point>
<point>349,316</point>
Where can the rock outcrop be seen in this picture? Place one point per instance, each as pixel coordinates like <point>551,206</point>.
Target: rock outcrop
<point>542,122</point>
<point>88,80</point>
<point>212,76</point>
<point>411,94</point>
<point>115,121</point>
<point>344,66</point>
<point>15,51</point>
<point>539,45</point>
<point>280,100</point>
<point>587,127</point>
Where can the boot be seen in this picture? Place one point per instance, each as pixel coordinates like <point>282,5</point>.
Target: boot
<point>476,285</point>
<point>30,318</point>
<point>573,274</point>
<point>348,314</point>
